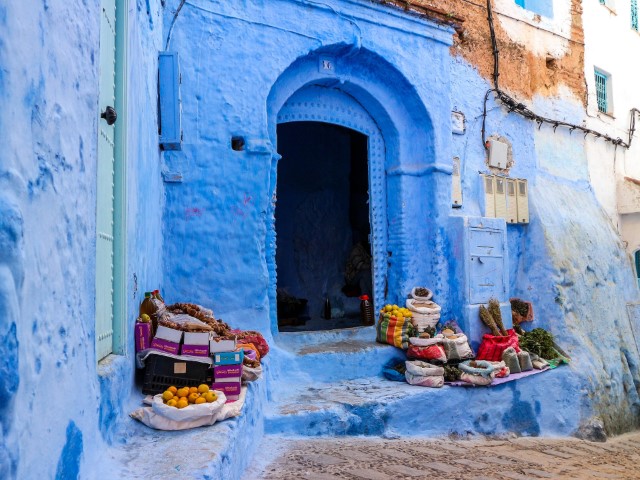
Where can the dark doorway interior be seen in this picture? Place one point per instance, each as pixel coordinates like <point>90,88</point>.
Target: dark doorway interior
<point>322,226</point>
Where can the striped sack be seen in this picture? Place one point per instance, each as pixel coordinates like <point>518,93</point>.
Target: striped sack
<point>394,332</point>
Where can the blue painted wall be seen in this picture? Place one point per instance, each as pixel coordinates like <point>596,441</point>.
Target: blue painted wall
<point>211,239</point>
<point>58,407</point>
<point>221,217</point>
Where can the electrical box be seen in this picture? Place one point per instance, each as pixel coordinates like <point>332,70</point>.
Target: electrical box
<point>480,270</point>
<point>456,184</point>
<point>498,154</point>
<point>512,204</point>
<point>523,201</point>
<point>489,196</point>
<point>169,95</point>
<point>501,197</point>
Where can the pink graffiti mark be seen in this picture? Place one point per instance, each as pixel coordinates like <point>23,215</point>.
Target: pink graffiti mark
<point>237,211</point>
<point>193,212</point>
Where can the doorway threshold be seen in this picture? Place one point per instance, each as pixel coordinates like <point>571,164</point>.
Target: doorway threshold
<point>300,341</point>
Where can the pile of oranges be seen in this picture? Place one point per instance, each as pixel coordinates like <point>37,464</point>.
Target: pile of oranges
<point>183,397</point>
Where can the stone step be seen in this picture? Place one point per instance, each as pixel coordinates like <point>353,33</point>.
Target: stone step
<point>333,355</point>
<point>545,404</point>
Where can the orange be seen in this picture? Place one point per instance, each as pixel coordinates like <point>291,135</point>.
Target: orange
<point>172,403</point>
<point>183,392</point>
<point>210,397</point>
<point>200,400</point>
<point>193,390</point>
<point>167,395</point>
<point>182,403</point>
<point>193,397</point>
<point>172,389</point>
<point>203,388</point>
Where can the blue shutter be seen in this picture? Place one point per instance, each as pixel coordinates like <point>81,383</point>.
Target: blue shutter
<point>634,14</point>
<point>601,92</point>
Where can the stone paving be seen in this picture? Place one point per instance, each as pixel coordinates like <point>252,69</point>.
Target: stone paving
<point>373,458</point>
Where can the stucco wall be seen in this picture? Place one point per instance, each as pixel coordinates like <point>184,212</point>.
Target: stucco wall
<point>608,165</point>
<point>54,409</point>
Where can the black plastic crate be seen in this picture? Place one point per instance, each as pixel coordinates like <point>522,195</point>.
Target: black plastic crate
<point>160,372</point>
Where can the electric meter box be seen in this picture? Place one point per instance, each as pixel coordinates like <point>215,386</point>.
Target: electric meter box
<point>488,191</point>
<point>169,95</point>
<point>456,184</point>
<point>512,204</point>
<point>501,197</point>
<point>481,272</point>
<point>523,201</point>
<point>498,154</point>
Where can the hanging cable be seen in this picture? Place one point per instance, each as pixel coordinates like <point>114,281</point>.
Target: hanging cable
<point>173,21</point>
<point>521,109</point>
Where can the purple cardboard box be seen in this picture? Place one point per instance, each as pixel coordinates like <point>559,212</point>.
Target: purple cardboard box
<point>142,334</point>
<point>196,344</point>
<point>228,388</point>
<point>165,345</point>
<point>227,371</point>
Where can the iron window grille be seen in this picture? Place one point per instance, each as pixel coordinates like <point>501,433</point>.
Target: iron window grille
<point>602,87</point>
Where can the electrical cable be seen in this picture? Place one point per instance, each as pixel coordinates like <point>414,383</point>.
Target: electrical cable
<point>521,109</point>
<point>173,21</point>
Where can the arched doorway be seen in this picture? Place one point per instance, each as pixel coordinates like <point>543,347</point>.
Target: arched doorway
<point>409,170</point>
<point>330,213</point>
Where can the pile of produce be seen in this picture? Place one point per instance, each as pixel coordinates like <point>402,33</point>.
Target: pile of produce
<point>182,397</point>
<point>394,311</point>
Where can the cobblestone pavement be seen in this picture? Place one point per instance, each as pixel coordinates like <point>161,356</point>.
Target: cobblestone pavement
<point>513,459</point>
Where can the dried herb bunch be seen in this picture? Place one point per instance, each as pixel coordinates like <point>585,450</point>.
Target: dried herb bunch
<point>520,307</point>
<point>451,373</point>
<point>494,310</point>
<point>540,342</point>
<point>488,320</point>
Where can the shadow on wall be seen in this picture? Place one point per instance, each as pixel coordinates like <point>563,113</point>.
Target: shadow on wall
<point>11,281</point>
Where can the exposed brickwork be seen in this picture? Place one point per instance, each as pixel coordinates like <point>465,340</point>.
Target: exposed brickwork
<point>521,72</point>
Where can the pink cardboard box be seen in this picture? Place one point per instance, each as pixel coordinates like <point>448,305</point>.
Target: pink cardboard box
<point>165,345</point>
<point>228,388</point>
<point>232,398</point>
<point>142,334</point>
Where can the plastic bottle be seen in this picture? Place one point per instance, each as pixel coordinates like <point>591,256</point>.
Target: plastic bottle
<point>366,310</point>
<point>326,314</point>
<point>147,306</point>
<point>156,294</point>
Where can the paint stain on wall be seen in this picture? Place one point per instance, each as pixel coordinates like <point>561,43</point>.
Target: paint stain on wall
<point>69,462</point>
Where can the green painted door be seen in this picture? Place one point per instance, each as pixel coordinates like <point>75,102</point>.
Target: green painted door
<point>106,185</point>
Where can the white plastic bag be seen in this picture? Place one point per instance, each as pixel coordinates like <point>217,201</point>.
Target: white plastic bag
<point>250,374</point>
<point>163,417</point>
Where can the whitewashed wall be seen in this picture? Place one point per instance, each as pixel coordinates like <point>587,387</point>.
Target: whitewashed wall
<point>612,46</point>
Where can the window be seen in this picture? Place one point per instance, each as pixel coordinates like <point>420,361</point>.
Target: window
<point>634,14</point>
<point>603,91</point>
<point>541,7</point>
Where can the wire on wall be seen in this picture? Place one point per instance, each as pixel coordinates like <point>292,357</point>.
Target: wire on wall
<point>521,109</point>
<point>173,21</point>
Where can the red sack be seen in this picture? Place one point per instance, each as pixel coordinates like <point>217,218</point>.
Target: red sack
<point>492,347</point>
<point>250,336</point>
<point>433,353</point>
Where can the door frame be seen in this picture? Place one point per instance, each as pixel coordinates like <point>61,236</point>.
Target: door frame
<point>120,316</point>
<point>315,103</point>
<point>119,339</point>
